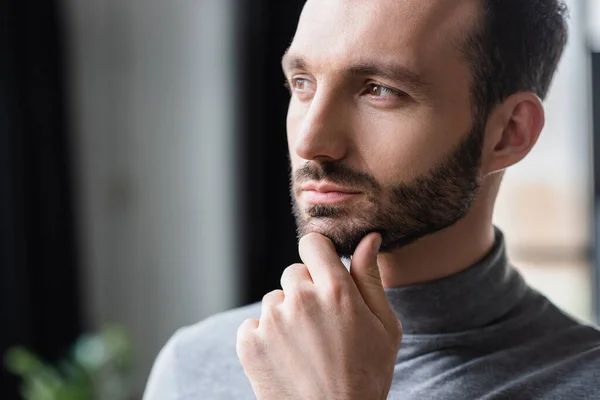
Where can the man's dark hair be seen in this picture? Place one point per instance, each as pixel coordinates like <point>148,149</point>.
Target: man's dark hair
<point>515,47</point>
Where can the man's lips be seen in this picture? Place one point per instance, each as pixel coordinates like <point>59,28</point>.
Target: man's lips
<point>326,193</point>
<point>325,187</point>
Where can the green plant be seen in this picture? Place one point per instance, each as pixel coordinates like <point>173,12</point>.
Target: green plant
<point>97,369</point>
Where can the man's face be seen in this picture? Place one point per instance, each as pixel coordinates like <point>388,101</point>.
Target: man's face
<point>380,127</point>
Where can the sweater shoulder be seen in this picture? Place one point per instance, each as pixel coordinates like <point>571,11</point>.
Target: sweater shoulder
<point>219,330</point>
<point>203,357</point>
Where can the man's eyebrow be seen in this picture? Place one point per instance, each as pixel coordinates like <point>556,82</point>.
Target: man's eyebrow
<point>397,73</point>
<point>292,62</point>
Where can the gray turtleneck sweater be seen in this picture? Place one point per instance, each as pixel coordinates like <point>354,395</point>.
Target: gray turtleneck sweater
<point>479,334</point>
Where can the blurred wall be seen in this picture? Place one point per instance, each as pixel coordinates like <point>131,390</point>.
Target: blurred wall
<point>559,166</point>
<point>153,90</point>
<point>545,202</point>
<point>593,24</point>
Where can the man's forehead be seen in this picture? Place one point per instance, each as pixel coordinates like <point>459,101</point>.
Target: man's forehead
<point>405,11</point>
<point>414,29</point>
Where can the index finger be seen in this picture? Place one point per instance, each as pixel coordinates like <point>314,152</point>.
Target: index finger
<point>318,254</point>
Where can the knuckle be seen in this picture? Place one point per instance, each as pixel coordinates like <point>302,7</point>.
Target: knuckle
<point>303,296</point>
<point>248,343</point>
<point>337,296</point>
<point>272,298</point>
<point>334,289</point>
<point>271,311</point>
<point>304,300</point>
<point>246,330</point>
<point>291,271</point>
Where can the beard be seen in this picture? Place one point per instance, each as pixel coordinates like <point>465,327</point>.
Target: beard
<point>402,213</point>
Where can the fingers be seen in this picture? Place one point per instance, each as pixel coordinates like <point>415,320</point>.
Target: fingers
<point>248,325</point>
<point>365,272</point>
<point>271,310</point>
<point>294,277</point>
<point>364,280</point>
<point>318,254</point>
<point>247,343</point>
<point>272,299</point>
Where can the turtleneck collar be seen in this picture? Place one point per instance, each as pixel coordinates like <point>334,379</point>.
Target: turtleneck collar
<point>467,300</point>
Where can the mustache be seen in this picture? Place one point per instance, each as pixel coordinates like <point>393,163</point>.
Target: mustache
<point>336,173</point>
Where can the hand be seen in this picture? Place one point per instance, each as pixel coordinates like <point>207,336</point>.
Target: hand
<point>328,334</point>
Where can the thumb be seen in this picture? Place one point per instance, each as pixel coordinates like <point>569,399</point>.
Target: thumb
<point>365,272</point>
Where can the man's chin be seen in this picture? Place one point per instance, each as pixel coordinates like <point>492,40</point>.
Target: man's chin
<point>344,236</point>
<point>347,234</point>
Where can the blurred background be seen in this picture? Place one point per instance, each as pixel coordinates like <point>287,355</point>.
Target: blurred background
<point>144,170</point>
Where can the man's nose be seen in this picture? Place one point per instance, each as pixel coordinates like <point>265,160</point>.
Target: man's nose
<point>322,134</point>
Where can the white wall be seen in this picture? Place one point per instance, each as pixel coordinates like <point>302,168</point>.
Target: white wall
<point>153,103</point>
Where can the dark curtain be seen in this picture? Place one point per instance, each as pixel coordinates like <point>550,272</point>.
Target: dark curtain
<point>39,305</point>
<point>268,233</point>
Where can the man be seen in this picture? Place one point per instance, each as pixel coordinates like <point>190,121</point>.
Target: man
<point>403,116</point>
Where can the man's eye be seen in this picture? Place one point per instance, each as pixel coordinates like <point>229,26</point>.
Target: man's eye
<point>381,91</point>
<point>300,84</point>
<point>302,88</point>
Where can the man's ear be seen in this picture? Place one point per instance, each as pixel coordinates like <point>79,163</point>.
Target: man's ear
<point>513,129</point>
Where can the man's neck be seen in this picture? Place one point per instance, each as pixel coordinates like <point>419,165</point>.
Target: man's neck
<point>444,253</point>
